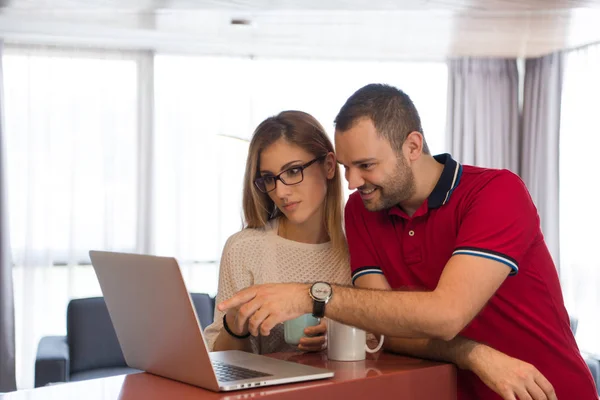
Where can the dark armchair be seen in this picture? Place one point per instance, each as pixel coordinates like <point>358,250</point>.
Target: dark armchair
<point>91,349</point>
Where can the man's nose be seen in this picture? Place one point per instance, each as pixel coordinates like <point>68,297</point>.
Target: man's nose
<point>354,179</point>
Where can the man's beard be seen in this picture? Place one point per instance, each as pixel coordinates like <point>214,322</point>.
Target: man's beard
<point>396,188</point>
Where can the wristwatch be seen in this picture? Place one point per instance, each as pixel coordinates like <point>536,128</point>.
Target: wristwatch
<point>321,293</point>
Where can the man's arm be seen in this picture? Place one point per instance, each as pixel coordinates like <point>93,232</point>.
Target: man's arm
<point>463,352</point>
<point>456,351</point>
<point>465,286</point>
<point>507,376</point>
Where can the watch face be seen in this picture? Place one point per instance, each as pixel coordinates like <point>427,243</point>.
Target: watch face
<point>321,290</point>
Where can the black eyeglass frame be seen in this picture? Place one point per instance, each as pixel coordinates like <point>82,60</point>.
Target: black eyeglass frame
<point>279,178</point>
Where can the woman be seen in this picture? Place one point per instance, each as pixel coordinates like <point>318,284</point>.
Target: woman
<point>293,209</point>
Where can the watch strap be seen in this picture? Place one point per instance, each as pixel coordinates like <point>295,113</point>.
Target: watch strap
<point>318,309</point>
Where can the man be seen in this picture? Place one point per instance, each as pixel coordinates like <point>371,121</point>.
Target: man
<point>462,248</point>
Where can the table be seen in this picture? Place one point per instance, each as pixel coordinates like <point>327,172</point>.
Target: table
<point>380,376</point>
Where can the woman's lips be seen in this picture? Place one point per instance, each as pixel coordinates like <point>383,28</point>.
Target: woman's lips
<point>291,206</point>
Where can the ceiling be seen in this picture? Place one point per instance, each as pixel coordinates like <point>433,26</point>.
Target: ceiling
<point>332,29</point>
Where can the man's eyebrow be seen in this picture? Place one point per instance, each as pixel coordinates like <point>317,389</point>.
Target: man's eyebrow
<point>361,161</point>
<point>286,166</point>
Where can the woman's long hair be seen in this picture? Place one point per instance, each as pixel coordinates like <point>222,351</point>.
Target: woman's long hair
<point>303,130</point>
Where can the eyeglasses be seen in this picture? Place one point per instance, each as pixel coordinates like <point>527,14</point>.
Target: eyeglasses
<point>291,176</point>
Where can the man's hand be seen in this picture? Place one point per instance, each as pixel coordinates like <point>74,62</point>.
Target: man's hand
<point>316,340</point>
<point>262,307</point>
<point>509,377</point>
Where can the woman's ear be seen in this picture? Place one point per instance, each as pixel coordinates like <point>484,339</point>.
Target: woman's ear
<point>330,165</point>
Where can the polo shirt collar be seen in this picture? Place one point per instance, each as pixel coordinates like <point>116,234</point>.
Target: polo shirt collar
<point>447,183</point>
<point>443,189</point>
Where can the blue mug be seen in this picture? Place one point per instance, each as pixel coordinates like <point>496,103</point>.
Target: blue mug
<point>294,328</point>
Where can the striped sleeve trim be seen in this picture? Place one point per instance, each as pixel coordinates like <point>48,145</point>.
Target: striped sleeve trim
<point>362,271</point>
<point>489,254</point>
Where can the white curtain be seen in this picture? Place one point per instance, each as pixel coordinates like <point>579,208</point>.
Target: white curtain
<point>579,189</point>
<point>202,109</point>
<point>71,130</point>
<point>7,318</point>
<point>540,138</point>
<point>483,112</point>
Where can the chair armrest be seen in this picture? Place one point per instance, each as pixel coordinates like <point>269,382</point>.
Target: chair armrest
<point>593,363</point>
<point>52,361</point>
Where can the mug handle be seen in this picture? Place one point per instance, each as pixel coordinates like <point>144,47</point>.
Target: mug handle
<point>376,349</point>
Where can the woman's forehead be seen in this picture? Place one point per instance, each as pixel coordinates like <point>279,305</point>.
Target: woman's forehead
<point>281,153</point>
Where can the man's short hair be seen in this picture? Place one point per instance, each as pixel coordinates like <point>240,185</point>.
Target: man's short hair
<point>391,110</point>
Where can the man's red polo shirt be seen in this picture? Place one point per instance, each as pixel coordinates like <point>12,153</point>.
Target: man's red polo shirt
<point>483,213</point>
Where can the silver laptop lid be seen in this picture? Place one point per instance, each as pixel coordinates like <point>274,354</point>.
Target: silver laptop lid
<point>168,340</point>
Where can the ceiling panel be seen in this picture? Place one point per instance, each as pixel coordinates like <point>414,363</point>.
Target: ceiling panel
<point>376,29</point>
<point>263,5</point>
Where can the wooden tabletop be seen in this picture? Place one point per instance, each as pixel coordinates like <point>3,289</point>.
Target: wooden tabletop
<point>380,376</point>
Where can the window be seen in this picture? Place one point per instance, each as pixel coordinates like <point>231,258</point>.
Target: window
<point>579,217</point>
<point>71,135</point>
<point>71,126</point>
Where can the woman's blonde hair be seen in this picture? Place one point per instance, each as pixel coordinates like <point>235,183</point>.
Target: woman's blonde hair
<point>303,130</point>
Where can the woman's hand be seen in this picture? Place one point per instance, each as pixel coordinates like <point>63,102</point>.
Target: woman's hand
<point>317,338</point>
<point>233,324</point>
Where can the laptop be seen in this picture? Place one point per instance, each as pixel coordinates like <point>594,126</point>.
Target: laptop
<point>159,332</point>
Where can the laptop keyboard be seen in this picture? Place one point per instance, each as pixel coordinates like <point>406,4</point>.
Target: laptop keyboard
<point>228,373</point>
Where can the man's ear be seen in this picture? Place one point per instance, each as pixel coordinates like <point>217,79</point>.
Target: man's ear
<point>330,165</point>
<point>413,145</point>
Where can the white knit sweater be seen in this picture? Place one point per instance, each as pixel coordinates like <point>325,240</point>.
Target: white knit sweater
<point>257,256</point>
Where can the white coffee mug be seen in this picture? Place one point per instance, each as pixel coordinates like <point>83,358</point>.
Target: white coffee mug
<point>347,343</point>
